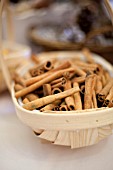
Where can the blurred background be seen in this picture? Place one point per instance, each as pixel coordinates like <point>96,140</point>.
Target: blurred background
<point>48,25</point>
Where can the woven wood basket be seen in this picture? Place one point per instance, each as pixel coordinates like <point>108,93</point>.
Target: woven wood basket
<point>74,128</point>
<point>70,128</point>
<point>58,45</point>
<point>99,48</point>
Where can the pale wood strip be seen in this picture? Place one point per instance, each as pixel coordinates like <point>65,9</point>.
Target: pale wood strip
<point>74,136</point>
<point>104,131</point>
<point>49,135</point>
<point>81,138</point>
<point>63,138</point>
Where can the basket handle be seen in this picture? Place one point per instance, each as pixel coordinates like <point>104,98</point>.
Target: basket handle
<point>98,31</point>
<point>2,60</point>
<point>9,22</point>
<point>109,8</point>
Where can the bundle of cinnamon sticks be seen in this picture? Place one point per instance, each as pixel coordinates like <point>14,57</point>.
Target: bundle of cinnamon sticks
<point>60,85</point>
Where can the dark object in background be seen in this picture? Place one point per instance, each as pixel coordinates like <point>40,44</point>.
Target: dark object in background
<point>108,35</point>
<point>86,18</point>
<point>15,1</point>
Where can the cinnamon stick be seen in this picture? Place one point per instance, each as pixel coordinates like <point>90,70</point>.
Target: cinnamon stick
<point>18,79</point>
<point>88,92</point>
<point>58,85</point>
<point>69,100</point>
<point>36,72</point>
<point>79,79</point>
<point>77,98</point>
<point>104,92</point>
<point>50,106</point>
<point>56,91</point>
<point>98,87</point>
<point>18,87</point>
<point>49,99</point>
<point>63,107</point>
<point>94,100</point>
<point>65,65</point>
<point>36,79</point>
<point>25,101</point>
<point>34,86</point>
<point>47,89</point>
<point>103,80</point>
<point>62,79</point>
<point>79,71</point>
<point>31,97</point>
<point>109,97</point>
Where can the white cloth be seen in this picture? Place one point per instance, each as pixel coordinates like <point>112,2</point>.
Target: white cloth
<point>20,149</point>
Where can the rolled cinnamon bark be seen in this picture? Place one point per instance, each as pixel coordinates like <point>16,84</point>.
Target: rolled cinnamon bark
<point>79,79</point>
<point>56,91</point>
<point>25,101</point>
<point>109,97</point>
<point>62,79</point>
<point>110,103</point>
<point>31,97</point>
<point>58,85</point>
<point>50,106</point>
<point>36,71</point>
<point>27,76</point>
<point>103,80</point>
<point>82,64</point>
<point>69,100</point>
<point>99,70</point>
<point>88,55</point>
<point>77,98</point>
<point>63,107</point>
<point>92,104</point>
<point>34,86</point>
<point>65,65</point>
<point>79,71</point>
<point>104,92</point>
<point>19,80</point>
<point>47,89</point>
<point>88,92</point>
<point>98,86</point>
<point>56,108</point>
<point>49,99</point>
<point>36,79</point>
<point>94,100</point>
<point>47,66</point>
<point>18,87</point>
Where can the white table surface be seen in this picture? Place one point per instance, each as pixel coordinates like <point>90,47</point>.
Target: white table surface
<point>20,149</point>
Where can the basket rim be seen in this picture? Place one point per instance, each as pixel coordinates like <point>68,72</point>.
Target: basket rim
<point>98,117</point>
<point>65,121</point>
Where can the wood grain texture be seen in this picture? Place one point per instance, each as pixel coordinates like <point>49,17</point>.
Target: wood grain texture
<point>81,138</point>
<point>104,131</point>
<point>63,138</point>
<point>49,135</point>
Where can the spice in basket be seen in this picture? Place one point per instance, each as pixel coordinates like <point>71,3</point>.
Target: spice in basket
<point>71,85</point>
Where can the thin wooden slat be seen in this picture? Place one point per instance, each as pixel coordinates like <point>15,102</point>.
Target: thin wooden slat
<point>81,138</point>
<point>104,131</point>
<point>49,135</point>
<point>63,138</point>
